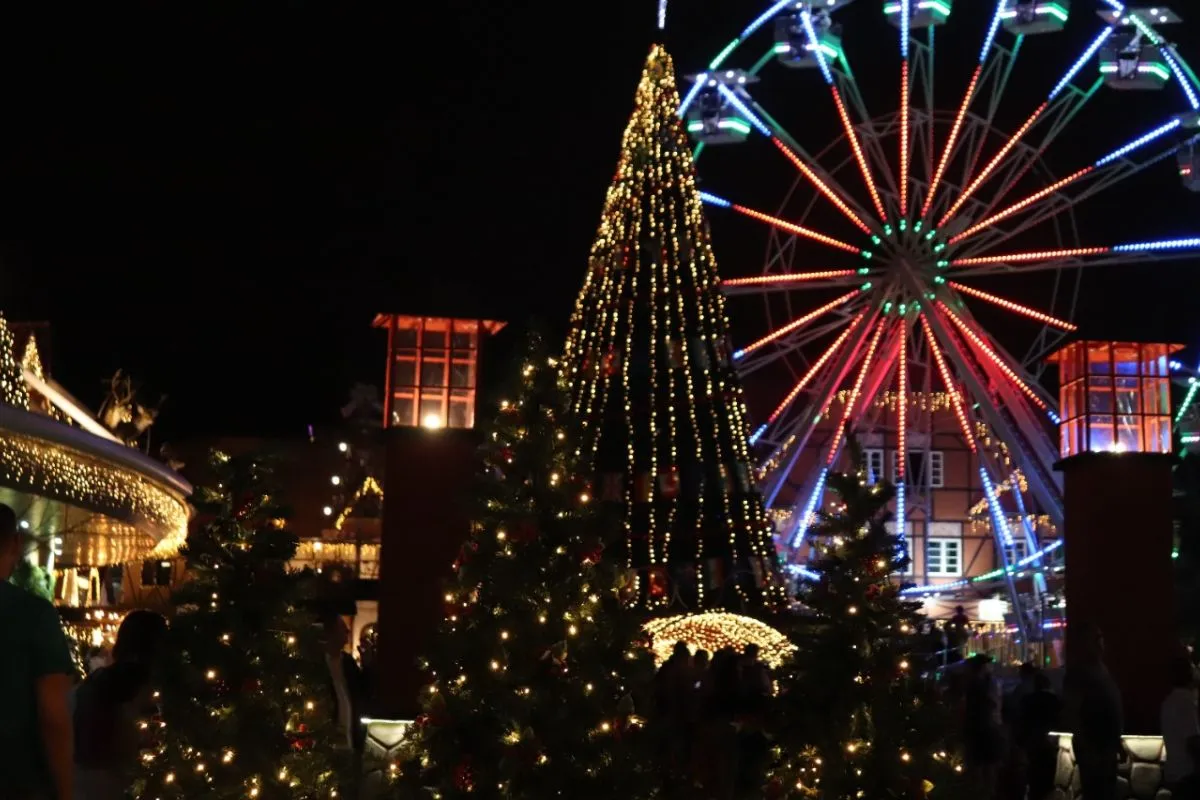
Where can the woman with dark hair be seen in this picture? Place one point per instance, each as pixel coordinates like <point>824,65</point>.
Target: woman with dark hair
<point>108,705</point>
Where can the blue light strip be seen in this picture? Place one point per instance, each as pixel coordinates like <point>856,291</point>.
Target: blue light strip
<point>1120,7</point>
<point>949,587</point>
<point>1082,62</point>
<point>1136,143</point>
<point>754,437</point>
<point>991,36</point>
<point>994,506</point>
<point>806,18</point>
<point>810,508</point>
<point>736,102</point>
<point>713,200</point>
<point>688,98</point>
<point>770,12</point>
<point>905,21</point>
<point>900,526</point>
<point>1188,89</point>
<point>1169,244</point>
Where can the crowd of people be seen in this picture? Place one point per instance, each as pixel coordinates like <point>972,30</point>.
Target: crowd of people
<point>711,713</point>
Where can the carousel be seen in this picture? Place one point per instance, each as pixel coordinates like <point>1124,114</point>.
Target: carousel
<point>95,508</point>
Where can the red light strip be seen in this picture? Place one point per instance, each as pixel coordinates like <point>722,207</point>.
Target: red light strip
<point>902,405</point>
<point>953,140</point>
<point>995,162</point>
<point>816,367</point>
<point>821,186</point>
<point>995,359</point>
<point>1015,307</point>
<point>858,152</point>
<point>904,134</point>
<point>852,400</point>
<point>797,323</point>
<point>1020,258</point>
<point>955,397</point>
<point>796,277</point>
<point>796,229</point>
<point>1016,207</point>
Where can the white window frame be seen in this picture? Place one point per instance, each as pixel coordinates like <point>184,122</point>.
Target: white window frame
<point>944,537</point>
<point>936,469</point>
<point>1019,549</point>
<point>873,456</point>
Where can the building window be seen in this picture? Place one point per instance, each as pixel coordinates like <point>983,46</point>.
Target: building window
<point>1019,549</point>
<point>943,549</point>
<point>873,458</point>
<point>156,573</point>
<point>918,472</point>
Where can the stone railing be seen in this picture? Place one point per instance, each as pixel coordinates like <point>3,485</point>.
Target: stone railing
<point>1140,775</point>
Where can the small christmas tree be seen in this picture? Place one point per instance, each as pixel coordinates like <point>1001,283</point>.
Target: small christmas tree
<point>12,379</point>
<point>536,663</point>
<point>858,714</point>
<point>244,709</point>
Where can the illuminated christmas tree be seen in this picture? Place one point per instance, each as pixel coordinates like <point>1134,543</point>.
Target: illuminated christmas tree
<point>12,381</point>
<point>244,708</point>
<point>538,658</point>
<point>652,384</point>
<point>857,706</point>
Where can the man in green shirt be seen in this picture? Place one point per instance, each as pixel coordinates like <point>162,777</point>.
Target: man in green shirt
<point>36,674</point>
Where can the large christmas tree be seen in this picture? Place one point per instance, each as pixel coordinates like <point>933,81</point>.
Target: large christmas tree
<point>244,708</point>
<point>652,384</point>
<point>858,714</point>
<point>538,659</point>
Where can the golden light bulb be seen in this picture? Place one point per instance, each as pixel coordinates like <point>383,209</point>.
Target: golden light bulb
<point>211,674</point>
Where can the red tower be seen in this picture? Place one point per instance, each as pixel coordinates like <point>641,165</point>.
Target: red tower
<point>1116,443</point>
<point>429,438</point>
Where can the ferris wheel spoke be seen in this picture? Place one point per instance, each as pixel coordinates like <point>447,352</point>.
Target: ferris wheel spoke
<point>790,282</point>
<point>821,180</point>
<point>1038,113</point>
<point>784,225</point>
<point>793,440</point>
<point>829,453</point>
<point>847,88</point>
<point>796,324</point>
<point>1017,308</point>
<point>1137,252</point>
<point>965,106</point>
<point>795,341</point>
<point>1104,174</point>
<point>1021,429</point>
<point>786,404</point>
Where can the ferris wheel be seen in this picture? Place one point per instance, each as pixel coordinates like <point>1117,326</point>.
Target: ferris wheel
<point>926,200</point>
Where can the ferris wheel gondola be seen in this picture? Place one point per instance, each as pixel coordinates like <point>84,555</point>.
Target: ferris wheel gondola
<point>940,198</point>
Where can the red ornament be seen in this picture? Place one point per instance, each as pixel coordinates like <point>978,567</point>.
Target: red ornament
<point>464,778</point>
<point>525,531</point>
<point>594,556</point>
<point>873,591</point>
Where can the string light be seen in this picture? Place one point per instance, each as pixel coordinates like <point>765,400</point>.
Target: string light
<point>713,630</point>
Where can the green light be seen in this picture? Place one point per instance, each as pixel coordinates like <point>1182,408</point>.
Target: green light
<point>1174,554</point>
<point>739,125</point>
<point>943,264</point>
<point>724,54</point>
<point>939,279</point>
<point>864,270</point>
<point>904,308</point>
<point>903,225</point>
<point>876,240</point>
<point>939,248</point>
<point>887,230</point>
<point>867,254</point>
<point>887,307</point>
<point>929,295</point>
<point>931,234</point>
<point>920,224</point>
<point>865,286</point>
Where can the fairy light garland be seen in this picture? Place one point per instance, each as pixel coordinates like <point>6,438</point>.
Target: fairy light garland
<point>368,486</point>
<point>55,471</point>
<point>12,383</point>
<point>714,630</point>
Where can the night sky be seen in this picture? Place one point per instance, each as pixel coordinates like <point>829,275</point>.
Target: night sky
<point>218,198</point>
